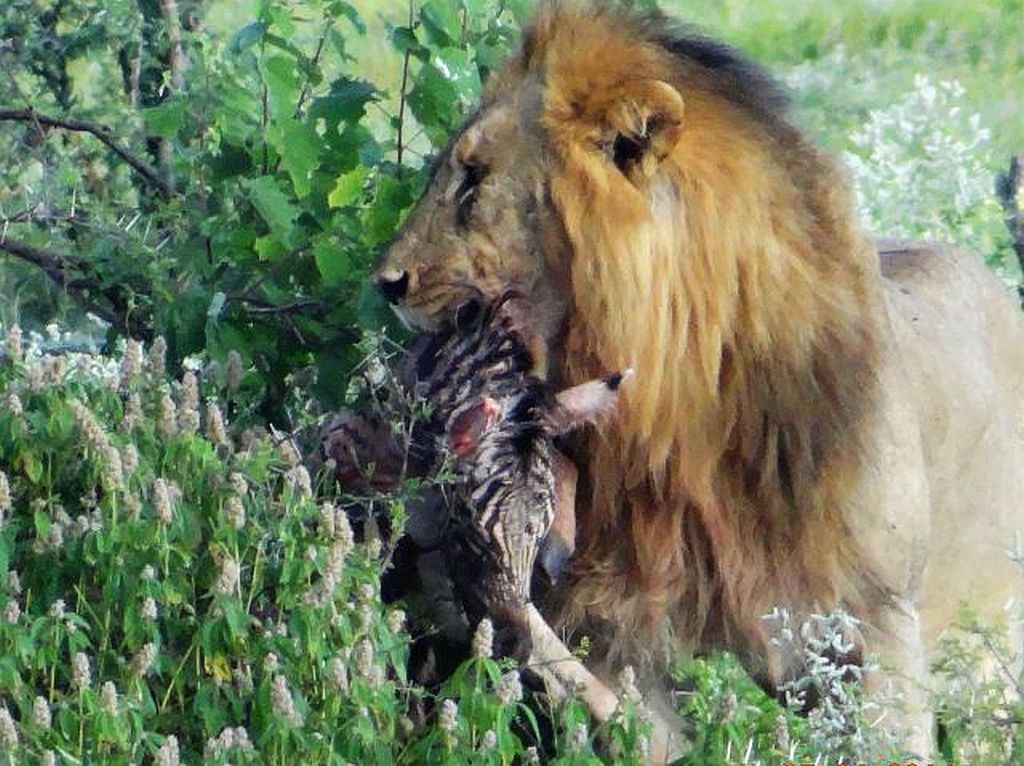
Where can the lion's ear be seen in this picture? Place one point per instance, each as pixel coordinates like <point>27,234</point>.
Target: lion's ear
<point>643,123</point>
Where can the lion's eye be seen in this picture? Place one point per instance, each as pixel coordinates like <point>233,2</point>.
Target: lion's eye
<point>466,193</point>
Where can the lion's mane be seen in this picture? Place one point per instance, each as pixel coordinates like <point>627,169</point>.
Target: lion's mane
<point>747,300</point>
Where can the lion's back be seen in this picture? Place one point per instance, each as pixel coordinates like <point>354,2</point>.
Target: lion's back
<point>959,339</point>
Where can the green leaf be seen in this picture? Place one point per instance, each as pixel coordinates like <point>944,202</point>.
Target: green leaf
<point>458,68</point>
<point>404,40</point>
<point>298,144</point>
<point>269,248</point>
<point>281,73</point>
<point>245,37</point>
<point>520,9</point>
<point>42,524</point>
<point>332,261</point>
<point>345,102</point>
<point>441,19</point>
<point>236,618</point>
<point>348,187</point>
<point>348,11</point>
<point>165,119</point>
<point>274,206</point>
<point>443,91</point>
<point>392,199</point>
<point>281,18</point>
<point>32,466</point>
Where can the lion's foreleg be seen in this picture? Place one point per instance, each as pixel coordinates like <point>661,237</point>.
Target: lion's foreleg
<point>903,676</point>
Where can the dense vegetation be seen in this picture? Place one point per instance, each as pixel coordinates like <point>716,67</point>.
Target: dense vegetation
<point>213,180</point>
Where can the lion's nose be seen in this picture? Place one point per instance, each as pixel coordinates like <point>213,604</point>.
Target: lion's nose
<point>392,284</point>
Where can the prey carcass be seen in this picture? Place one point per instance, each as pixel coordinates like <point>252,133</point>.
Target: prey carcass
<point>506,516</point>
<point>487,424</point>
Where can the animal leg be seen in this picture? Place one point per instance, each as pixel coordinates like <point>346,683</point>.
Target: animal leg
<point>903,673</point>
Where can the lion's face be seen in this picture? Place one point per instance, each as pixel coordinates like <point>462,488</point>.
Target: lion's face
<point>563,155</point>
<point>484,226</point>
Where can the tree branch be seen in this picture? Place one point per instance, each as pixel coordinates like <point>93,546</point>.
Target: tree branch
<point>1009,188</point>
<point>99,131</point>
<point>71,275</point>
<point>269,309</point>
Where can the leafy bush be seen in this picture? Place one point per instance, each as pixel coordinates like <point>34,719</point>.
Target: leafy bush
<point>174,590</point>
<point>272,172</point>
<point>167,590</point>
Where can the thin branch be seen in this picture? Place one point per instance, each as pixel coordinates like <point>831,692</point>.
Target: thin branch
<point>997,654</point>
<point>264,108</point>
<point>71,275</point>
<point>298,307</point>
<point>402,89</point>
<point>99,131</point>
<point>41,213</point>
<point>256,306</point>
<point>56,267</point>
<point>1009,188</point>
<point>313,64</point>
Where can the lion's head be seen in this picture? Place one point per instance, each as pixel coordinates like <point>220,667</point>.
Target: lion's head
<point>485,227</point>
<point>644,189</point>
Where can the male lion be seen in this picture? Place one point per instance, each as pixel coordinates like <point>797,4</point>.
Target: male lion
<point>811,426</point>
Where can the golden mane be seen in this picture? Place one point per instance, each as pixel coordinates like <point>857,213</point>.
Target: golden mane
<point>739,287</point>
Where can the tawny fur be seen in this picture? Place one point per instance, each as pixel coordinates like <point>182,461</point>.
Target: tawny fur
<point>645,189</point>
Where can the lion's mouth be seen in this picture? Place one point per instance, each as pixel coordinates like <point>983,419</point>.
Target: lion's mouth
<point>436,309</point>
<point>414,320</point>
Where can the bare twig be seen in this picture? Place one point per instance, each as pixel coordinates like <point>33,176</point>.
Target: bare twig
<point>99,131</point>
<point>1009,188</point>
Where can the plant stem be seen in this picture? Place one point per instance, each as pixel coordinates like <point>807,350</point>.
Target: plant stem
<point>313,64</point>
<point>402,88</point>
<point>177,674</point>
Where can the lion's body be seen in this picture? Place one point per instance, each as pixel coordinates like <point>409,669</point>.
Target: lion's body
<point>957,345</point>
<point>804,430</point>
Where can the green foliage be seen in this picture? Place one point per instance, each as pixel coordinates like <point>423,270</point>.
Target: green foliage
<point>173,590</point>
<point>287,171</point>
<point>981,707</point>
<point>161,582</point>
